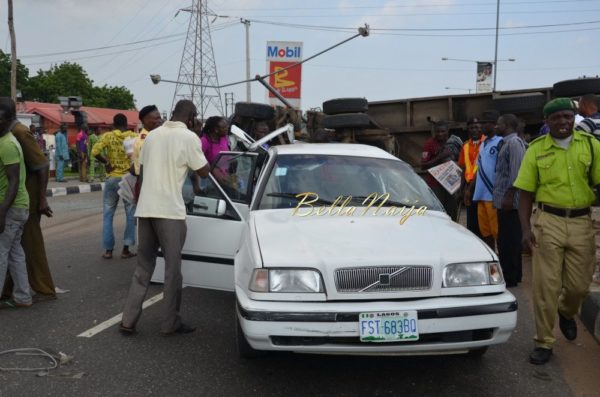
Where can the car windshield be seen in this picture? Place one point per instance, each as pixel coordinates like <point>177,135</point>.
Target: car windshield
<point>328,179</point>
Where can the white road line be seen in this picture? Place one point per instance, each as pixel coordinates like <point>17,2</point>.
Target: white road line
<point>59,191</point>
<point>116,319</point>
<point>85,188</point>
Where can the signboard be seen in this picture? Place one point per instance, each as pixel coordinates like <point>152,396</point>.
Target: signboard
<point>448,174</point>
<point>485,77</point>
<point>288,82</point>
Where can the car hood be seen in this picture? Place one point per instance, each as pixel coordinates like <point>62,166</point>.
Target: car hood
<point>318,241</point>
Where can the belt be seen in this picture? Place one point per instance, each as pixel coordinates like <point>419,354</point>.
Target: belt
<point>564,212</point>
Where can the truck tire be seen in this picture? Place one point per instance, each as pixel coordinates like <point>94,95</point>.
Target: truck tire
<point>520,103</point>
<point>257,111</point>
<point>346,120</point>
<point>345,105</point>
<point>576,87</point>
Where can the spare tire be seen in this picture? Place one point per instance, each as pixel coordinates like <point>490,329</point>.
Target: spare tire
<point>257,111</point>
<point>576,87</point>
<point>520,103</point>
<point>346,120</point>
<point>345,105</point>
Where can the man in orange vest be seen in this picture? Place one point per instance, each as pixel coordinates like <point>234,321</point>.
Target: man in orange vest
<point>467,160</point>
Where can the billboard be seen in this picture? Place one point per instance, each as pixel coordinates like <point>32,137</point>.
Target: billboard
<point>288,82</point>
<point>485,77</point>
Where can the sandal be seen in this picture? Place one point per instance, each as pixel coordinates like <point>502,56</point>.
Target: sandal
<point>107,255</point>
<point>11,304</point>
<point>126,331</point>
<point>127,254</point>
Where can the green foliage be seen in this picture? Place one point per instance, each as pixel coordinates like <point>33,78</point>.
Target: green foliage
<point>5,65</point>
<point>66,79</point>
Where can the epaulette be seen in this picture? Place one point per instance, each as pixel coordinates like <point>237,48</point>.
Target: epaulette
<point>538,139</point>
<point>585,134</point>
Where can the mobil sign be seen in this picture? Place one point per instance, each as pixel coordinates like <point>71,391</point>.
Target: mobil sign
<point>281,55</point>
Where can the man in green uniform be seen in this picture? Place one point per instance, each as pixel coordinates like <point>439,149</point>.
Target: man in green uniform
<point>96,167</point>
<point>560,170</point>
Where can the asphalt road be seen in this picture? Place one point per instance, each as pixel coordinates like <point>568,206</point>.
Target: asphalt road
<point>205,363</point>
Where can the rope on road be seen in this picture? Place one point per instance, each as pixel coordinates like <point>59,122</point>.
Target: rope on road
<point>31,351</point>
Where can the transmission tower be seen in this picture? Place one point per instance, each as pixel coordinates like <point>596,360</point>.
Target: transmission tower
<point>198,72</point>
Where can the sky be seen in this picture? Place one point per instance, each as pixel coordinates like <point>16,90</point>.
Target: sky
<point>402,58</point>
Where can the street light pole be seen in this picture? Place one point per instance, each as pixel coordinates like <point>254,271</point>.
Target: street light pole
<point>248,92</point>
<point>496,46</point>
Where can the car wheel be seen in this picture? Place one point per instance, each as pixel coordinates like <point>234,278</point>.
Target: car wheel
<point>257,111</point>
<point>346,120</point>
<point>480,351</point>
<point>244,349</point>
<point>345,105</point>
<point>520,103</point>
<point>576,87</point>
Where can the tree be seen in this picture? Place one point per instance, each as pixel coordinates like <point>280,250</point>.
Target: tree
<point>5,74</point>
<point>112,97</point>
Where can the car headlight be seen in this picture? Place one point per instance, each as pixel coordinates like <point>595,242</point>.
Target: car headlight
<point>472,274</point>
<point>286,280</point>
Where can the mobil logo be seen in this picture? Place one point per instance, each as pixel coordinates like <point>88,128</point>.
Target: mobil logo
<point>275,51</point>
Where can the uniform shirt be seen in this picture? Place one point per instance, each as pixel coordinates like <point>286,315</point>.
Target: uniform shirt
<point>486,169</point>
<point>467,159</point>
<point>167,155</point>
<point>115,152</point>
<point>137,149</point>
<point>11,153</point>
<point>559,177</point>
<point>510,154</point>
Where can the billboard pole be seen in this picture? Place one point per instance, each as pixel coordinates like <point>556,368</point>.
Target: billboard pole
<point>248,90</point>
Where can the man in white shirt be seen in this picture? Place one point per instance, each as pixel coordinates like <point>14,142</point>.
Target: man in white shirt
<point>167,155</point>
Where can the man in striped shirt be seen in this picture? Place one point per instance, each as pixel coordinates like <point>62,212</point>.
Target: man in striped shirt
<point>588,107</point>
<point>506,198</point>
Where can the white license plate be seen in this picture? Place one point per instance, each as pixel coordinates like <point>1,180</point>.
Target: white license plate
<point>388,326</point>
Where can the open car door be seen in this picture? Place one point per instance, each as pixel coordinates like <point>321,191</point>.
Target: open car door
<point>216,217</point>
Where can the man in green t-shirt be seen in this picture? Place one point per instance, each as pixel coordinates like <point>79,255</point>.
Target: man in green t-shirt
<point>14,208</point>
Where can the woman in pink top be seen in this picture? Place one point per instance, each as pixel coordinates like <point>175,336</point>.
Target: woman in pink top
<point>214,137</point>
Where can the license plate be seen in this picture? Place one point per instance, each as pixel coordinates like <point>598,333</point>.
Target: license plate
<point>388,326</point>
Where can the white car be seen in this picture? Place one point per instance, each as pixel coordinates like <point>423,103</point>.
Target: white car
<point>341,249</point>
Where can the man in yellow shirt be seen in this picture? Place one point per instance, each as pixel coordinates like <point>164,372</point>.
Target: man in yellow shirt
<point>117,165</point>
<point>561,170</point>
<point>151,119</point>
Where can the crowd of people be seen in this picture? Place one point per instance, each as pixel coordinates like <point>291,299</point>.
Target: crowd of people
<point>504,176</point>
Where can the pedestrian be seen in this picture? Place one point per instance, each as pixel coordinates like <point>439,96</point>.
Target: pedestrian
<point>483,189</point>
<point>439,149</point>
<point>560,172</point>
<point>161,215</point>
<point>14,208</point>
<point>506,199</point>
<point>588,108</point>
<point>214,137</point>
<point>96,167</point>
<point>117,165</point>
<point>82,152</point>
<point>61,152</point>
<point>467,160</point>
<point>36,182</point>
<point>151,119</point>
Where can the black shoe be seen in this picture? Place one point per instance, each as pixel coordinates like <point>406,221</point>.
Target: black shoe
<point>182,329</point>
<point>567,327</point>
<point>540,356</point>
<point>126,331</point>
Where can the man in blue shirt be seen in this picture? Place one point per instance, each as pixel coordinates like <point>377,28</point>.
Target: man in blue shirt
<point>62,152</point>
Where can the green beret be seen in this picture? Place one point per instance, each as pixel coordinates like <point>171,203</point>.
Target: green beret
<point>559,104</point>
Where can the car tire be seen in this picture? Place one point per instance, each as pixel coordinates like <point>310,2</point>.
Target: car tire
<point>520,103</point>
<point>257,111</point>
<point>478,352</point>
<point>345,105</point>
<point>576,87</point>
<point>346,120</point>
<point>244,349</point>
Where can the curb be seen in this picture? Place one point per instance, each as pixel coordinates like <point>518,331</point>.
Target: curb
<point>590,314</point>
<point>63,191</point>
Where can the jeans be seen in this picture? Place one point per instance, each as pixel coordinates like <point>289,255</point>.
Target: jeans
<point>60,166</point>
<point>110,201</point>
<point>12,256</point>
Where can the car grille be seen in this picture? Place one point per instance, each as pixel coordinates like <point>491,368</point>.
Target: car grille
<point>383,279</point>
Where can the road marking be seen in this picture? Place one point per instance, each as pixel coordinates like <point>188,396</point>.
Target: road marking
<point>85,188</point>
<point>116,319</point>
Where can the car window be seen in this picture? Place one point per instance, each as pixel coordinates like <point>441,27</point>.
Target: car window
<point>234,173</point>
<point>206,200</point>
<point>329,177</point>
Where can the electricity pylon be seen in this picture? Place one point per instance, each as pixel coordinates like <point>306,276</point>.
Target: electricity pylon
<point>198,79</point>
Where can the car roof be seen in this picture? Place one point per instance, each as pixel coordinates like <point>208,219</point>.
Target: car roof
<point>336,149</point>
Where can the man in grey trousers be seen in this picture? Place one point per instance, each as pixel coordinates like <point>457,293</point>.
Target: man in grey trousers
<point>169,152</point>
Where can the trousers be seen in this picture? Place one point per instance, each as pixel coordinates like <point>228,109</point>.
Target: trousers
<point>509,245</point>
<point>12,256</point>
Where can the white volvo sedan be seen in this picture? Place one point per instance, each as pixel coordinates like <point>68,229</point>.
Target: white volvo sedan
<point>341,249</point>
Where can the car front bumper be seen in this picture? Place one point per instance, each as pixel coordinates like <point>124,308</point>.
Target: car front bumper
<point>446,325</point>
